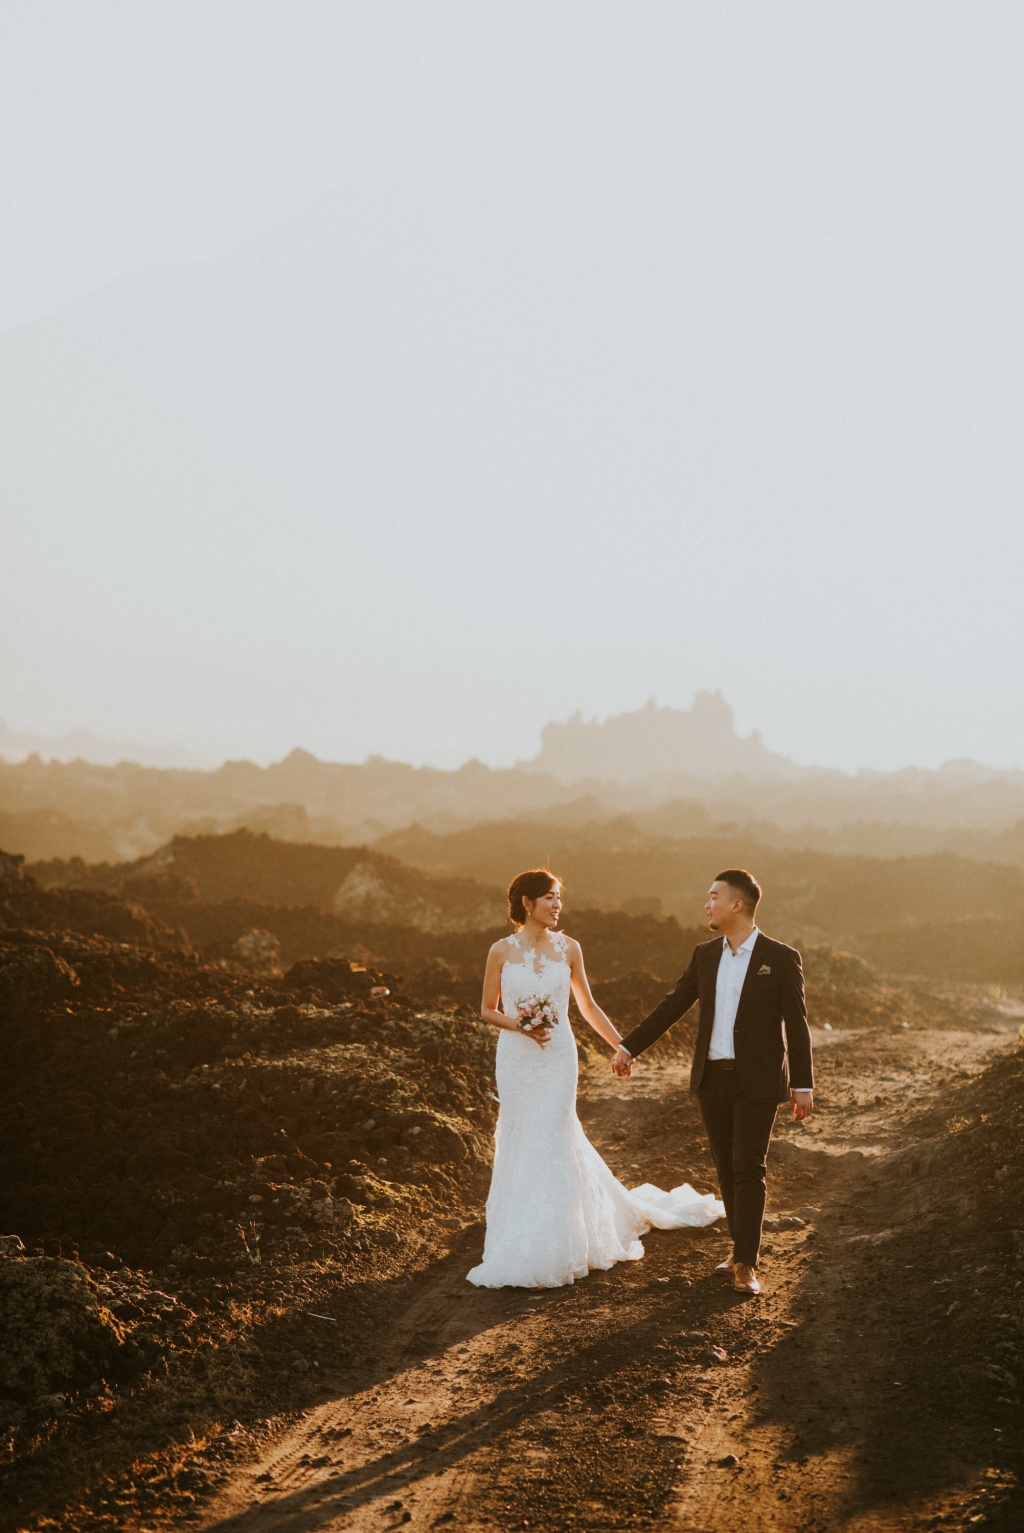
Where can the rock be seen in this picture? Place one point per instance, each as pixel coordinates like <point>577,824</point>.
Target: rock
<point>11,1245</point>
<point>12,874</point>
<point>714,1357</point>
<point>436,980</point>
<point>32,976</point>
<point>875,1238</point>
<point>446,1142</point>
<point>729,1461</point>
<point>163,1303</point>
<point>58,1334</point>
<point>336,979</point>
<point>258,952</point>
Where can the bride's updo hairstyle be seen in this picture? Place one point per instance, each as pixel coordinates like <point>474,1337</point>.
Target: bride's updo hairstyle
<point>530,886</point>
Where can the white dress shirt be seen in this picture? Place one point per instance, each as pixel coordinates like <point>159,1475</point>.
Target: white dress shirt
<point>732,971</point>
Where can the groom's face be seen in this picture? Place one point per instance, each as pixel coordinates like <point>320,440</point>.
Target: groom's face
<point>723,906</point>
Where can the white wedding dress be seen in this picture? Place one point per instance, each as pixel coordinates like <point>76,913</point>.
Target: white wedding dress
<point>554,1210</point>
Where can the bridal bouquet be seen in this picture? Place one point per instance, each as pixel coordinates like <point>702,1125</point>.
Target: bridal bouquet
<point>536,1012</point>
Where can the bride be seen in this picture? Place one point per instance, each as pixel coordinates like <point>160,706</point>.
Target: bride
<point>554,1210</point>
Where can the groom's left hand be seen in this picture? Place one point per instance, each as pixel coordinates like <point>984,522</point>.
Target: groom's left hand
<point>803,1104</point>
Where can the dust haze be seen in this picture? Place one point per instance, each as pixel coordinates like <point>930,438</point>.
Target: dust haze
<point>398,382</point>
<point>443,441</point>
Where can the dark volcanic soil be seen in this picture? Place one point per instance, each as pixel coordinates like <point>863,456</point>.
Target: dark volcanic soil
<point>193,1160</point>
<point>249,1202</point>
<point>874,1386</point>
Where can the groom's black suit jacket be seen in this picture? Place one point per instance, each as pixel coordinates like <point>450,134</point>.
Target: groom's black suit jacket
<point>771,1039</point>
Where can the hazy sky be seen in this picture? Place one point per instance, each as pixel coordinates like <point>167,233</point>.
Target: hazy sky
<point>398,377</point>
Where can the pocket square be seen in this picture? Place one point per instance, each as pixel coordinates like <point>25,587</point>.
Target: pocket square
<point>764,969</point>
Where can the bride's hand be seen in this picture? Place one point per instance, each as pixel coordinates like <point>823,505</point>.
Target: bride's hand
<point>538,1034</point>
<point>622,1064</point>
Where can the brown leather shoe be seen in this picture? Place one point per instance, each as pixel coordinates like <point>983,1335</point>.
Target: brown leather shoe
<point>725,1269</point>
<point>744,1279</point>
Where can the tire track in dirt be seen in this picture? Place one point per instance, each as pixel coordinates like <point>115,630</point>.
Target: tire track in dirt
<point>603,1406</point>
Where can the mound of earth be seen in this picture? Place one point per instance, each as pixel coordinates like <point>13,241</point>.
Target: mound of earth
<point>954,1192</point>
<point>60,1334</point>
<point>980,949</point>
<point>192,1155</point>
<point>93,912</point>
<point>157,1106</point>
<point>351,882</point>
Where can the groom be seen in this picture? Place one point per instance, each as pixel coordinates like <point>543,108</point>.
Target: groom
<point>753,1051</point>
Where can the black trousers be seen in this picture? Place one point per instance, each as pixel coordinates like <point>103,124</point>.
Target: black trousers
<point>738,1131</point>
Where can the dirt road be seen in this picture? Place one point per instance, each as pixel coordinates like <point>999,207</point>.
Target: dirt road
<point>652,1395</point>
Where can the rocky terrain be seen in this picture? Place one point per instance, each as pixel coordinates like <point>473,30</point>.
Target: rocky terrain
<point>942,915</point>
<point>353,883</point>
<point>245,1163</point>
<point>192,1155</point>
<point>874,1386</point>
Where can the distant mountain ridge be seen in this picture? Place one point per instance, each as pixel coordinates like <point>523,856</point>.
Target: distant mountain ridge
<point>700,741</point>
<point>84,745</point>
<point>115,813</point>
<point>665,748</point>
<point>684,771</point>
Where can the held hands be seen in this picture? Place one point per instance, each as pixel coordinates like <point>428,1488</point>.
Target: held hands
<point>803,1104</point>
<point>622,1064</point>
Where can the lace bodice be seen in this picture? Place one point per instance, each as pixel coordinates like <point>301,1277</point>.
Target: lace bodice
<point>536,976</point>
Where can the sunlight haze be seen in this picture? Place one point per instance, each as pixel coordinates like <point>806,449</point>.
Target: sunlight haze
<point>395,379</point>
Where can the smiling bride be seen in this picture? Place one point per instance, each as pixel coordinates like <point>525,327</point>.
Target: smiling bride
<point>555,1210</point>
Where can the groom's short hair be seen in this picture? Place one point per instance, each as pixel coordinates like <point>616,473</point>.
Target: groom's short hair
<point>745,884</point>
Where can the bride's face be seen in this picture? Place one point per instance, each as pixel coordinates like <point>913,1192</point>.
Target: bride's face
<point>546,908</point>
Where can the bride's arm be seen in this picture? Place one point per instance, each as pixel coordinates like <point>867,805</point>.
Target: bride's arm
<point>492,995</point>
<point>589,1008</point>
